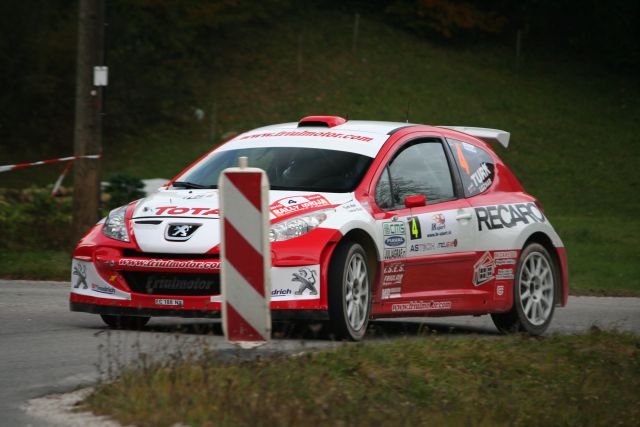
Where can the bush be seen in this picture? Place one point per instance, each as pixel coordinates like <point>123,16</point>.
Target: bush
<point>31,218</point>
<point>121,189</point>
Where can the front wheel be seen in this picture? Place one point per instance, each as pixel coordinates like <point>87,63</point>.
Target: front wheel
<point>125,322</point>
<point>349,292</point>
<point>534,291</point>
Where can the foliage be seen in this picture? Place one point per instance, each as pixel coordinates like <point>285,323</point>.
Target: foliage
<point>446,18</point>
<point>562,380</point>
<point>31,218</point>
<point>51,264</point>
<point>122,189</point>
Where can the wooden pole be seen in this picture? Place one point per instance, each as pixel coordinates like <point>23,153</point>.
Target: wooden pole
<point>88,117</point>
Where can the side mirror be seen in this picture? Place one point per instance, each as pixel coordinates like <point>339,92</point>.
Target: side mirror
<point>415,201</point>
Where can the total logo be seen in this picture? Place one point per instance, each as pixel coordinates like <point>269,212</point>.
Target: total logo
<point>175,210</point>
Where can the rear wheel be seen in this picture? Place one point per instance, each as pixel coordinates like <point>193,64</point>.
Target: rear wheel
<point>349,292</point>
<point>125,322</point>
<point>533,294</point>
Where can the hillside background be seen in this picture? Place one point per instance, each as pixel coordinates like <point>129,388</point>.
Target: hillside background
<point>186,75</point>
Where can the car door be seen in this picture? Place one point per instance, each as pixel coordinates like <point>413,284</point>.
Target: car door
<point>427,231</point>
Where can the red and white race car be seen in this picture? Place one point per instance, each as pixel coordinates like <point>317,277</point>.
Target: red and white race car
<point>369,220</point>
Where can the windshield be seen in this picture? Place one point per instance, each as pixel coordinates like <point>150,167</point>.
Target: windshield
<point>288,168</point>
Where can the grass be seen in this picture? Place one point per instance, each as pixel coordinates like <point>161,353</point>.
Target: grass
<point>36,265</point>
<point>574,127</point>
<point>590,379</point>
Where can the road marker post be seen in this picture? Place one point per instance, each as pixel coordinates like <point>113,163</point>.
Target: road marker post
<point>245,255</point>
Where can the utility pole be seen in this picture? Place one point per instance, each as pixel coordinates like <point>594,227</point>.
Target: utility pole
<point>88,120</point>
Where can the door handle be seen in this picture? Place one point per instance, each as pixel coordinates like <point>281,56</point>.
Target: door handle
<point>464,217</point>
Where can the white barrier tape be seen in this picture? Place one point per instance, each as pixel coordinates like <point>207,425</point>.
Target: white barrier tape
<point>7,168</point>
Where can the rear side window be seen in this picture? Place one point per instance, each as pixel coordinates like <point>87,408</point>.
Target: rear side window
<point>476,166</point>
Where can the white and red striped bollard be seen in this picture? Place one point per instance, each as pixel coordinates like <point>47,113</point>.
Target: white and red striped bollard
<point>245,255</point>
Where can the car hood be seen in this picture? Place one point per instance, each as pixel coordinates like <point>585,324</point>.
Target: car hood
<point>153,216</point>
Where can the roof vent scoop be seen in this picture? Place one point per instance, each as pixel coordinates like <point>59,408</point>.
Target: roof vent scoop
<point>321,121</point>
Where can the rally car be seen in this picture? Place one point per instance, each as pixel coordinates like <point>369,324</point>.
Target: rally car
<point>369,220</point>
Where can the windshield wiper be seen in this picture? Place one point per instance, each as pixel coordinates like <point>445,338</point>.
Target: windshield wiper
<point>187,184</point>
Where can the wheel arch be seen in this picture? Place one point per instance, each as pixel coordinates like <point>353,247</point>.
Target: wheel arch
<point>364,239</point>
<point>560,283</point>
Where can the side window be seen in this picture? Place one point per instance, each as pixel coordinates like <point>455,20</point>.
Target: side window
<point>419,169</point>
<point>383,191</point>
<point>476,166</point>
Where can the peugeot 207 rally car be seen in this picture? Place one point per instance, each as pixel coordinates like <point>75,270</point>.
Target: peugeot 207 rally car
<point>369,220</point>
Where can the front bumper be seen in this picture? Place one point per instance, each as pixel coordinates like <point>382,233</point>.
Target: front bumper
<point>96,289</point>
<point>111,277</point>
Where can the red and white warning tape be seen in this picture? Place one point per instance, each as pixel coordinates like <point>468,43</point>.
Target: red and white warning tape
<point>7,168</point>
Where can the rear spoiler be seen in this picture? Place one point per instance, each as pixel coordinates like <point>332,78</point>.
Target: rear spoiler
<point>485,134</point>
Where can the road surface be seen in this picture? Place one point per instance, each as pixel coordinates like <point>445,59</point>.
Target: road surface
<point>46,349</point>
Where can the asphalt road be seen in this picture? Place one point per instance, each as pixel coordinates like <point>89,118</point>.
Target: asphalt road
<point>46,349</point>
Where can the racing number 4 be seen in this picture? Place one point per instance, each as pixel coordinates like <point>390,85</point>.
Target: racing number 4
<point>414,226</point>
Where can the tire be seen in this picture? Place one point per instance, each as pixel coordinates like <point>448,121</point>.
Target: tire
<point>531,312</point>
<point>125,322</point>
<point>349,292</point>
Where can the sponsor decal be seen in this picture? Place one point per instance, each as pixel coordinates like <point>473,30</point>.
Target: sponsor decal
<point>485,269</point>
<point>395,253</point>
<point>80,270</point>
<point>180,232</point>
<point>505,254</point>
<point>394,233</point>
<point>163,283</point>
<point>504,274</point>
<point>438,226</point>
<point>388,293</point>
<point>500,290</point>
<point>200,195</point>
<point>415,232</point>
<point>507,216</point>
<point>307,279</point>
<point>169,301</point>
<point>482,177</point>
<point>168,263</point>
<point>422,247</point>
<point>176,210</point>
<point>295,283</point>
<point>394,241</point>
<point>323,134</point>
<point>395,228</point>
<point>281,292</point>
<point>352,207</point>
<point>421,306</point>
<point>292,205</point>
<point>103,289</point>
<point>393,274</point>
<point>450,244</point>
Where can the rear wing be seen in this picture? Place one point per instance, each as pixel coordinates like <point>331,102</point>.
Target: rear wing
<point>485,134</point>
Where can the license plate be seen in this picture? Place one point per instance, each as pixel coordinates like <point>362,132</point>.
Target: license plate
<point>172,302</point>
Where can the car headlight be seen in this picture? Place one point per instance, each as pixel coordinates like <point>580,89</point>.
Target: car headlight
<point>297,226</point>
<point>115,225</point>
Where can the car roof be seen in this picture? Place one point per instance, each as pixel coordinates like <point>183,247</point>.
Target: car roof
<point>361,137</point>
<point>335,133</point>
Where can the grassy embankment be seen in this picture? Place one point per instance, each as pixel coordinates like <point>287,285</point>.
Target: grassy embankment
<point>574,128</point>
<point>591,379</point>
